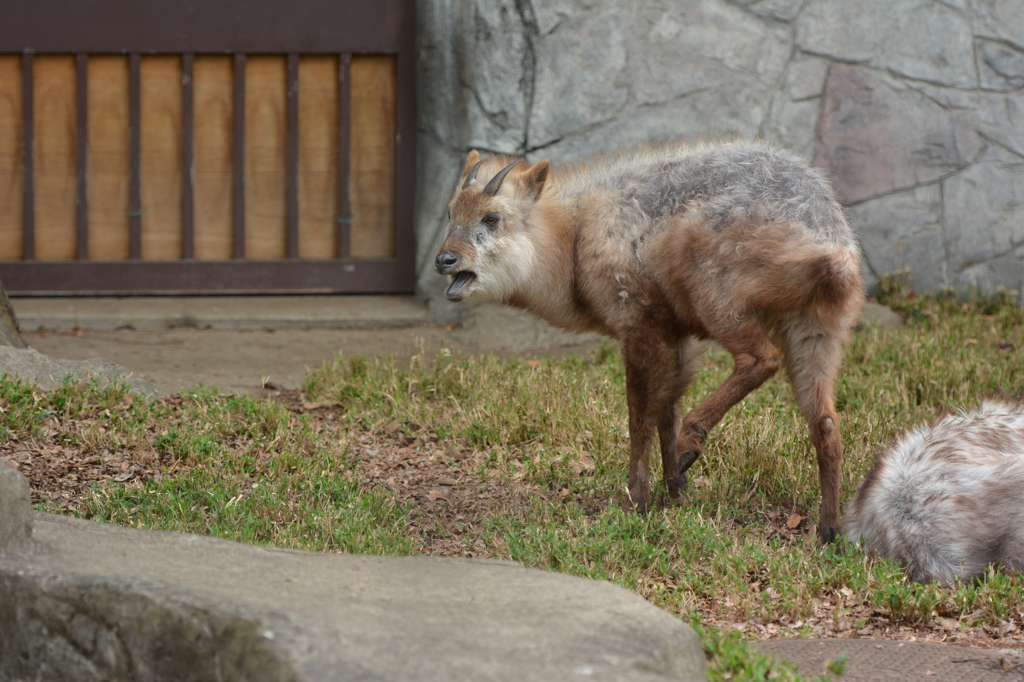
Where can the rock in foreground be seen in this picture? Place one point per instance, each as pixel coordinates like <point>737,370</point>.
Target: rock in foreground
<point>88,601</point>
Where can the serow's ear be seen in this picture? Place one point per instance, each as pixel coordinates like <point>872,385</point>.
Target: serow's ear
<point>472,159</point>
<point>532,180</point>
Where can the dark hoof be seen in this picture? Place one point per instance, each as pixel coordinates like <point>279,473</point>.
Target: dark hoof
<point>675,487</point>
<point>686,461</point>
<point>827,534</point>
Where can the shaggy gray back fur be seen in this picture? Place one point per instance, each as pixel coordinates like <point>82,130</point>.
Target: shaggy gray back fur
<point>741,179</point>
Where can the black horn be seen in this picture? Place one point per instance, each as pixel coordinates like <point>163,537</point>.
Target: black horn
<point>472,175</point>
<point>495,184</point>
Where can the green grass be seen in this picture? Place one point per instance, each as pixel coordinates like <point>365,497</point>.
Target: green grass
<point>258,472</point>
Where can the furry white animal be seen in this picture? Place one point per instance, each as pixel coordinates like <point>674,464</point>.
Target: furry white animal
<point>947,500</point>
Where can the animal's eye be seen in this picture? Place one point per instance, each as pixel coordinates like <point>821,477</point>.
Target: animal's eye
<point>490,220</point>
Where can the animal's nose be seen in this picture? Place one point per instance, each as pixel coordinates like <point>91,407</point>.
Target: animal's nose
<point>445,262</point>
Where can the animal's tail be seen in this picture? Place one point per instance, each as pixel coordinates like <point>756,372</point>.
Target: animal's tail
<point>836,276</point>
<point>827,279</point>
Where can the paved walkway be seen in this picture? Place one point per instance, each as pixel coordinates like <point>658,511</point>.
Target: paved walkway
<point>220,313</point>
<point>874,659</point>
<point>240,343</point>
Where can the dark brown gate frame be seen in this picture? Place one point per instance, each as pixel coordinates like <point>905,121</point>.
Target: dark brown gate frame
<point>238,27</point>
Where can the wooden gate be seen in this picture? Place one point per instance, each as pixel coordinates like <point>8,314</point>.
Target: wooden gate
<point>245,146</point>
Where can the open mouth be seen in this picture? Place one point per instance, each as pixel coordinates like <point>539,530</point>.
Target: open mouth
<point>459,287</point>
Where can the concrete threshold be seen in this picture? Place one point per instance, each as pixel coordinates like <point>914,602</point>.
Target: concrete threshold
<point>225,313</point>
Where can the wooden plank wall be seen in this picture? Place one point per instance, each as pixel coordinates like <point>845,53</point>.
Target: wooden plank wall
<point>372,156</point>
<point>214,125</point>
<point>108,164</point>
<point>318,160</point>
<point>372,179</point>
<point>55,156</point>
<point>161,157</point>
<point>265,120</point>
<point>10,157</point>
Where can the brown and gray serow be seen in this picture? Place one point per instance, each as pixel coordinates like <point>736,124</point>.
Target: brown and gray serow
<point>661,246</point>
<point>947,499</point>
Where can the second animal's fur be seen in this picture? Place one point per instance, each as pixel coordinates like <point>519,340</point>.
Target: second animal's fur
<point>658,247</point>
<point>947,500</point>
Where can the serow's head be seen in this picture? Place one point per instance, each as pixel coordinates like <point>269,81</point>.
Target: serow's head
<point>487,247</point>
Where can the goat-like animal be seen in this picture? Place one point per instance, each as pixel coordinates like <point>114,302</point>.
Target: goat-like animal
<point>947,499</point>
<point>661,246</point>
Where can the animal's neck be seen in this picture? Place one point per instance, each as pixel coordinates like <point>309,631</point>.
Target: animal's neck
<point>549,290</point>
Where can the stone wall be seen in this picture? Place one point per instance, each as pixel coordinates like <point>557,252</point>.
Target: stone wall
<point>915,108</point>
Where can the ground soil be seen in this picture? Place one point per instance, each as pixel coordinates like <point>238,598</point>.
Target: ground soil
<point>447,487</point>
<point>450,492</point>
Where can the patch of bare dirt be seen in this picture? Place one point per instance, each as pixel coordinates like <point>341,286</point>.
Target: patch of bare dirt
<point>838,614</point>
<point>449,488</point>
<point>70,455</point>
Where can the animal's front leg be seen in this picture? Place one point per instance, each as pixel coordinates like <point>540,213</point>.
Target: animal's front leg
<point>651,368</point>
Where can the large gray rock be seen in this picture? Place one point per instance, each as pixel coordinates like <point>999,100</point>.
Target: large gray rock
<point>735,107</point>
<point>901,231</point>
<point>1000,66</point>
<point>15,507</point>
<point>580,79</point>
<point>88,601</point>
<point>985,207</point>
<point>878,136</point>
<point>49,373</point>
<point>1001,20</point>
<point>920,39</point>
<point>996,116</point>
<point>595,67</point>
<point>499,74</point>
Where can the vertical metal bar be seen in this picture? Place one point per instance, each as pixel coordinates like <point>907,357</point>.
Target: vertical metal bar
<point>135,155</point>
<point>344,216</point>
<point>239,157</point>
<point>292,163</point>
<point>82,155</point>
<point>187,158</point>
<point>405,151</point>
<point>28,144</point>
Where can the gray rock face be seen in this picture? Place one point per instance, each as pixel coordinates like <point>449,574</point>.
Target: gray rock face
<point>877,136</point>
<point>920,39</point>
<point>15,507</point>
<point>986,242</point>
<point>901,230</point>
<point>49,373</point>
<point>87,601</point>
<point>906,104</point>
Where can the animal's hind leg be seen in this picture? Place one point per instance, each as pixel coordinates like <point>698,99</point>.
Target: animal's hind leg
<point>668,421</point>
<point>813,358</point>
<point>756,358</point>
